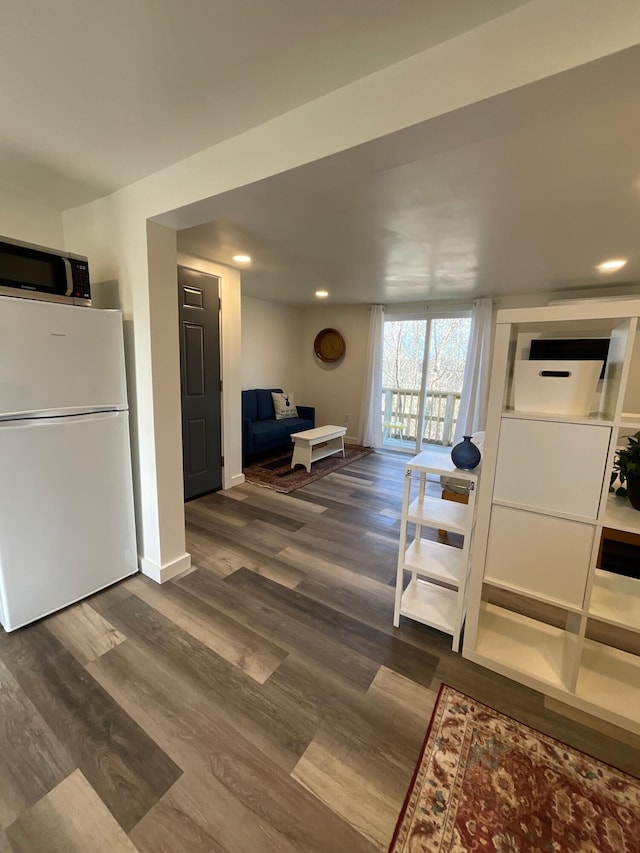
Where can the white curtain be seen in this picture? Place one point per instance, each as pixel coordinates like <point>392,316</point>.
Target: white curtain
<point>370,426</point>
<point>472,414</point>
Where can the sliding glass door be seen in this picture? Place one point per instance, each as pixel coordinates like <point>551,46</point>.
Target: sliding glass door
<point>422,372</point>
<point>402,380</point>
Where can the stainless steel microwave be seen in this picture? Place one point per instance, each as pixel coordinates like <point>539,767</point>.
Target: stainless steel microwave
<point>36,272</point>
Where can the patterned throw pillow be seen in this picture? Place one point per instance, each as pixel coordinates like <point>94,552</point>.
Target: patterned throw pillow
<point>284,405</point>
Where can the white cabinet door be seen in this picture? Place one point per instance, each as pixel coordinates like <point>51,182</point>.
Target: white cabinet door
<point>539,554</point>
<point>555,467</point>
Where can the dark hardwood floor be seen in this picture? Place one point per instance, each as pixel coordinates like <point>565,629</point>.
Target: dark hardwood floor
<point>261,702</point>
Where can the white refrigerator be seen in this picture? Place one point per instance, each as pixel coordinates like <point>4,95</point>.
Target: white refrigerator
<point>66,499</point>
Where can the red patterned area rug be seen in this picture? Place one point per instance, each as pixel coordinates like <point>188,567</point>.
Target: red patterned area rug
<point>275,472</point>
<point>485,782</point>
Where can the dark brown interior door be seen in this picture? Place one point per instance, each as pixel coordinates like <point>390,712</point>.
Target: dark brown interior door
<point>199,313</point>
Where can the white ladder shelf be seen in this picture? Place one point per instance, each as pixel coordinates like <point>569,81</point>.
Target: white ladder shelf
<point>436,593</point>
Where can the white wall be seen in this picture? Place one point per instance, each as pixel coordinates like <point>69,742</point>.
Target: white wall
<point>34,223</point>
<point>336,389</point>
<point>277,352</point>
<point>537,39</point>
<point>169,557</point>
<point>271,346</point>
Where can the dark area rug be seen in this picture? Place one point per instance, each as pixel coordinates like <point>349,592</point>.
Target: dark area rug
<point>487,783</point>
<point>275,472</point>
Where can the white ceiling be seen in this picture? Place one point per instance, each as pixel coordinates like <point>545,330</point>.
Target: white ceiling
<point>524,192</point>
<point>96,95</point>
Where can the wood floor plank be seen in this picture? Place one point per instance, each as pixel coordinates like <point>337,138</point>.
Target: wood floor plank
<point>374,537</point>
<point>350,523</point>
<point>350,480</point>
<point>271,722</point>
<point>408,696</point>
<point>406,705</point>
<point>126,768</point>
<point>339,501</point>
<point>278,502</point>
<point>188,752</point>
<point>278,718</point>
<point>255,656</point>
<point>201,558</point>
<point>223,554</point>
<point>343,589</point>
<point>372,604</point>
<point>327,770</point>
<point>354,519</point>
<point>244,514</point>
<point>268,538</point>
<point>236,794</point>
<point>84,632</point>
<point>236,493</point>
<point>70,819</point>
<point>222,557</point>
<point>291,633</point>
<point>338,493</point>
<point>336,706</point>
<point>181,821</point>
<point>344,544</point>
<point>593,723</point>
<point>212,551</point>
<point>194,818</point>
<point>236,551</point>
<point>209,513</point>
<point>362,521</point>
<point>110,595</point>
<point>32,760</point>
<point>374,644</point>
<point>279,572</point>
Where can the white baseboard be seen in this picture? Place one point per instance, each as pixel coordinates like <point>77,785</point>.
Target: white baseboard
<point>160,574</point>
<point>235,480</point>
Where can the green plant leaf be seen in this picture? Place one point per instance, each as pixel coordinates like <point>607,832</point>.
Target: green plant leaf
<point>627,459</point>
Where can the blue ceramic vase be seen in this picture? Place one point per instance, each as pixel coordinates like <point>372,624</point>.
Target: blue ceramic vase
<point>466,455</point>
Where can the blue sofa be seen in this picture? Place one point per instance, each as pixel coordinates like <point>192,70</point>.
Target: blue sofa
<point>261,432</point>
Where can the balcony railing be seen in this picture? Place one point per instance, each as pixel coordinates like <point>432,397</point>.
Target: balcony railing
<point>400,415</point>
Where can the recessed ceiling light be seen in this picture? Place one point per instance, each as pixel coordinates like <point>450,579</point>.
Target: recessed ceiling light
<point>242,259</point>
<point>322,294</point>
<point>612,265</point>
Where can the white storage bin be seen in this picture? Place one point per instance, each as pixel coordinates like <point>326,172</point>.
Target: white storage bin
<point>556,387</point>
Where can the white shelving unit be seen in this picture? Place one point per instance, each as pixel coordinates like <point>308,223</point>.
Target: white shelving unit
<point>436,593</point>
<point>540,610</point>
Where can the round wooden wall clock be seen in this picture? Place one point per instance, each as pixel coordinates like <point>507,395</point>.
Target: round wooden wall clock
<point>329,345</point>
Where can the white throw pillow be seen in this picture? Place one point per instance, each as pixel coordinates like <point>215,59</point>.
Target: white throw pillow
<point>284,405</point>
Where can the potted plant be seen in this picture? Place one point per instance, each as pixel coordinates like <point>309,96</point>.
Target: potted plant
<point>627,467</point>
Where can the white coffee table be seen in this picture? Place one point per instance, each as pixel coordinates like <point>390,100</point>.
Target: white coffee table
<point>313,444</point>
